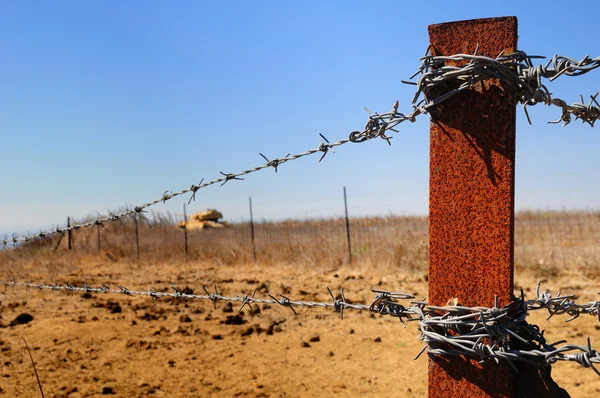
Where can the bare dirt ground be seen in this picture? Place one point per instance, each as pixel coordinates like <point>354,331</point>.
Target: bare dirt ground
<point>91,345</point>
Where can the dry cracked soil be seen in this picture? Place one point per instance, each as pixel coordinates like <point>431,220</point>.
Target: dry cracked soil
<point>91,344</point>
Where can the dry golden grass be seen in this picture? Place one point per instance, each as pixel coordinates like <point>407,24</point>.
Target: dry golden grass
<point>546,243</point>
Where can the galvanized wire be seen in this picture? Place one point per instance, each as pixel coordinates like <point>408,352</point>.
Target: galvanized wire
<point>439,79</point>
<point>487,334</point>
<point>442,77</point>
<point>377,126</point>
<point>495,334</point>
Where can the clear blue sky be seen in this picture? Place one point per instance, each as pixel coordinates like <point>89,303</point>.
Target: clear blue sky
<point>105,103</point>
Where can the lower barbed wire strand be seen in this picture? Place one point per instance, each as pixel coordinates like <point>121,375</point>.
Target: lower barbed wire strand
<point>447,330</point>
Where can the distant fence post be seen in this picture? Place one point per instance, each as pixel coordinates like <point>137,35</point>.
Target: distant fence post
<point>185,233</point>
<point>348,228</point>
<point>99,244</point>
<point>252,230</point>
<point>137,236</point>
<point>69,233</point>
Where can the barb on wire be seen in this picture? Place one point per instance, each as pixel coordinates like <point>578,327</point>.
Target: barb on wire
<point>247,301</point>
<point>228,177</point>
<point>275,162</point>
<point>487,334</point>
<point>285,302</point>
<point>194,188</point>
<point>562,304</point>
<point>338,304</point>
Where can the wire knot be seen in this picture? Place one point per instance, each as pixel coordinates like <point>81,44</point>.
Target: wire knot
<point>324,147</point>
<point>583,358</point>
<point>229,177</point>
<point>153,293</point>
<point>125,291</point>
<point>285,302</point>
<point>247,300</point>
<point>338,304</point>
<point>177,292</point>
<point>194,188</point>
<point>166,196</point>
<point>212,297</point>
<point>275,162</point>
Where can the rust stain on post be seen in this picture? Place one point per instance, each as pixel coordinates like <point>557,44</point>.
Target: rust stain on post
<point>471,200</point>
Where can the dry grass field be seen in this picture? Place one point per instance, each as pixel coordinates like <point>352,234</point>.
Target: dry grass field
<point>88,345</point>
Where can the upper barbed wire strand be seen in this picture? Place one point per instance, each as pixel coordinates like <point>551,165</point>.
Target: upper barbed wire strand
<point>436,72</point>
<point>376,126</point>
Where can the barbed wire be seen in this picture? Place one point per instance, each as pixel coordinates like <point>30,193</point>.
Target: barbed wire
<point>442,77</point>
<point>376,126</point>
<point>488,334</point>
<point>439,80</point>
<point>495,334</point>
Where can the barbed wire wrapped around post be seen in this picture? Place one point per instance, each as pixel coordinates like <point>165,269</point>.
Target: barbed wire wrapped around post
<point>494,334</point>
<point>442,77</point>
<point>487,334</point>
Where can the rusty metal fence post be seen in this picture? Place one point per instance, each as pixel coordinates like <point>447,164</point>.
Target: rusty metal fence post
<point>471,200</point>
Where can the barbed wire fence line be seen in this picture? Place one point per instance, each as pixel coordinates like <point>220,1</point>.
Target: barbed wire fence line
<point>437,74</point>
<point>483,333</point>
<point>487,334</point>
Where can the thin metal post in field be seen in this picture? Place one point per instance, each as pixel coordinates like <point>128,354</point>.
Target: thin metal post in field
<point>137,236</point>
<point>99,244</point>
<point>252,230</point>
<point>185,233</point>
<point>348,228</point>
<point>69,233</point>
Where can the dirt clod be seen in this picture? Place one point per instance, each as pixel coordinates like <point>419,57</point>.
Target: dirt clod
<point>21,319</point>
<point>236,319</point>
<point>116,309</point>
<point>248,331</point>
